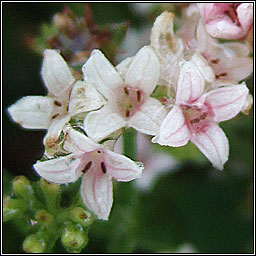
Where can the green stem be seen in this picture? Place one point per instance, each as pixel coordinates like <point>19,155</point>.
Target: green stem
<point>130,143</point>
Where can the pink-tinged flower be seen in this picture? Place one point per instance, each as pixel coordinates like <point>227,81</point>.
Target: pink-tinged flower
<point>54,110</point>
<point>227,20</point>
<point>96,163</point>
<point>168,47</point>
<point>230,61</point>
<point>128,94</point>
<point>195,115</point>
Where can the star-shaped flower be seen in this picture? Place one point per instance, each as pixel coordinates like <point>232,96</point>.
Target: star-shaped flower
<point>54,110</point>
<point>96,163</point>
<point>128,94</point>
<point>195,115</point>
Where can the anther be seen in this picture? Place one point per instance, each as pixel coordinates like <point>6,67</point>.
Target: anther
<point>138,96</point>
<point>196,120</point>
<point>215,61</point>
<point>103,167</point>
<point>54,116</point>
<point>203,116</point>
<point>57,103</point>
<point>87,167</point>
<point>126,91</point>
<point>127,113</point>
<point>223,74</point>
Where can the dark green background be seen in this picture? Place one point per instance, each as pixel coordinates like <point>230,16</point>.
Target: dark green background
<point>199,205</point>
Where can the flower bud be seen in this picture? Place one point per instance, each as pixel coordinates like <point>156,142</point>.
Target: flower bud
<point>81,216</point>
<point>44,217</point>
<point>34,244</point>
<point>22,186</point>
<point>12,208</point>
<point>74,238</point>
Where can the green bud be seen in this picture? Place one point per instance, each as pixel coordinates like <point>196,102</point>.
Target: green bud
<point>22,186</point>
<point>74,238</point>
<point>34,244</point>
<point>44,217</point>
<point>51,193</point>
<point>81,216</point>
<point>12,208</point>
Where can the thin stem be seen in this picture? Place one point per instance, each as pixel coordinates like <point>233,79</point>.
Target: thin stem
<point>130,143</point>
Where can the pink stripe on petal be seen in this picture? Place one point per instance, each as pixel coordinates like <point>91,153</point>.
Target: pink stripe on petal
<point>227,102</point>
<point>213,144</point>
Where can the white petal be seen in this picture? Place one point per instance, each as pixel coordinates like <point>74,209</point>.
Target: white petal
<point>214,145</point>
<point>149,118</point>
<point>97,193</point>
<point>173,131</point>
<point>84,98</point>
<point>190,84</point>
<point>59,170</point>
<point>143,72</point>
<point>99,72</point>
<point>120,167</point>
<point>245,15</point>
<point>77,142</point>
<point>55,73</point>
<point>33,112</point>
<point>101,123</point>
<point>228,101</point>
<point>123,66</point>
<point>54,130</point>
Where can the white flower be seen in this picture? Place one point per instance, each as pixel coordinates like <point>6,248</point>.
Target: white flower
<point>97,165</point>
<point>128,94</point>
<point>196,115</point>
<point>54,110</point>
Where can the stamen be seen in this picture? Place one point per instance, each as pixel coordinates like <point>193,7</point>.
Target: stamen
<point>138,96</point>
<point>87,167</point>
<point>196,120</point>
<point>103,167</point>
<point>223,74</point>
<point>215,61</point>
<point>57,103</point>
<point>54,116</point>
<point>203,116</point>
<point>126,91</point>
<point>127,113</point>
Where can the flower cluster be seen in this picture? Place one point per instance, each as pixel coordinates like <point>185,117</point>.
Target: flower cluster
<point>200,77</point>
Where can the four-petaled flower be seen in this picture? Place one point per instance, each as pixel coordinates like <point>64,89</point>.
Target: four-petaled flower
<point>128,94</point>
<point>54,110</point>
<point>96,163</point>
<point>196,115</point>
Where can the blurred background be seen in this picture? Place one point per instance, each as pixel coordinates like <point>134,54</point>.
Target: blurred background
<point>190,207</point>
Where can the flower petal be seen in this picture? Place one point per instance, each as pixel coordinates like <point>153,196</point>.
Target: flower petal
<point>213,143</point>
<point>149,118</point>
<point>100,73</point>
<point>55,73</point>
<point>77,142</point>
<point>33,112</point>
<point>84,98</point>
<point>228,101</point>
<point>54,130</point>
<point>143,72</point>
<point>190,84</point>
<point>120,167</point>
<point>101,123</point>
<point>59,170</point>
<point>97,193</point>
<point>173,131</point>
<point>245,16</point>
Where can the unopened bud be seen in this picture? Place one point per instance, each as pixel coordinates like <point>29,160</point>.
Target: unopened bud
<point>49,187</point>
<point>74,238</point>
<point>248,104</point>
<point>22,186</point>
<point>12,208</point>
<point>34,244</point>
<point>81,216</point>
<point>44,217</point>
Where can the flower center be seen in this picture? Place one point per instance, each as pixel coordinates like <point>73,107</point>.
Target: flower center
<point>130,101</point>
<point>197,116</point>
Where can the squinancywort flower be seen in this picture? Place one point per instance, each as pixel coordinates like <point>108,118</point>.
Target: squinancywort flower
<point>230,61</point>
<point>227,20</point>
<point>54,110</point>
<point>196,115</point>
<point>97,165</point>
<point>129,102</point>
